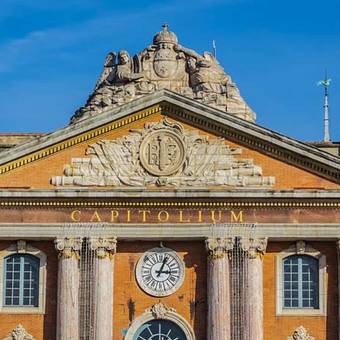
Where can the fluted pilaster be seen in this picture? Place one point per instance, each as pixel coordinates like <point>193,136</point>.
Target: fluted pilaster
<point>218,327</point>
<point>68,288</point>
<point>104,248</point>
<point>255,249</point>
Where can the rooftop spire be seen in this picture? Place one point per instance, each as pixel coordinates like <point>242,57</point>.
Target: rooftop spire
<point>325,83</point>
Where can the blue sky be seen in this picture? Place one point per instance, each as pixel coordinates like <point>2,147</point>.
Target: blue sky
<point>51,53</point>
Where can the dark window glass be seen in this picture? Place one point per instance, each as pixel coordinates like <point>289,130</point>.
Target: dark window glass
<point>300,282</point>
<point>21,280</point>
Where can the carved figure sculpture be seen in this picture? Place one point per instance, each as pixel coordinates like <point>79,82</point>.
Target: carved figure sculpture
<point>164,64</point>
<point>163,153</point>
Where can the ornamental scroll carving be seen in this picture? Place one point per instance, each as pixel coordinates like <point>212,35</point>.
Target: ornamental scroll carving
<point>159,310</point>
<point>68,247</point>
<point>254,246</point>
<point>19,333</point>
<point>103,247</point>
<point>164,64</point>
<point>218,247</point>
<point>300,334</point>
<point>163,153</point>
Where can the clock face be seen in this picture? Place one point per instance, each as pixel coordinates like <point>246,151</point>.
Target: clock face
<point>160,329</point>
<point>160,272</point>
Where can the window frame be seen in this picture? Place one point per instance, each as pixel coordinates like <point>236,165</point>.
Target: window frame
<point>23,259</point>
<point>301,248</point>
<point>22,248</point>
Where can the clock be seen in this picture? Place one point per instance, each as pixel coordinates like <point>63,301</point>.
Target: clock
<point>160,271</point>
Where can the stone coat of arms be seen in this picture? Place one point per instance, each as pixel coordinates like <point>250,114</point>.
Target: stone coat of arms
<point>163,153</point>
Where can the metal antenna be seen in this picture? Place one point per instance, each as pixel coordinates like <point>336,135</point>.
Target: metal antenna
<point>214,48</point>
<point>325,83</point>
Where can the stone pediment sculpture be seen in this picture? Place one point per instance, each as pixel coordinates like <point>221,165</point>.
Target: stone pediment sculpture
<point>163,153</point>
<point>164,64</point>
<point>19,333</point>
<point>300,334</point>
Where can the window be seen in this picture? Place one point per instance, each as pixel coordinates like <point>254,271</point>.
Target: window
<point>300,282</point>
<point>21,280</point>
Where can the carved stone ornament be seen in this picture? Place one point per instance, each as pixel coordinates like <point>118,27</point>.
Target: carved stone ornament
<point>219,247</point>
<point>300,247</point>
<point>21,246</point>
<point>68,247</point>
<point>163,153</point>
<point>104,247</point>
<point>19,333</point>
<point>254,246</point>
<point>159,310</point>
<point>300,334</point>
<point>164,64</point>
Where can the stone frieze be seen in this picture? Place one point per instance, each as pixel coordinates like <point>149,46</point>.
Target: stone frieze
<point>163,153</point>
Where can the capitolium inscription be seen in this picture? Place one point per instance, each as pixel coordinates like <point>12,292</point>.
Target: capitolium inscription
<point>163,153</point>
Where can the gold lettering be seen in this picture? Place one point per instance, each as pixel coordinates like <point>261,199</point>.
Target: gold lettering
<point>181,217</point>
<point>128,216</point>
<point>75,215</point>
<point>114,215</point>
<point>236,218</point>
<point>213,216</point>
<point>144,212</point>
<point>162,218</point>
<point>199,215</point>
<point>95,217</point>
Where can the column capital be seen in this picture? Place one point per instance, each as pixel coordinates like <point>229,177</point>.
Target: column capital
<point>218,247</point>
<point>105,247</point>
<point>254,246</point>
<point>68,246</point>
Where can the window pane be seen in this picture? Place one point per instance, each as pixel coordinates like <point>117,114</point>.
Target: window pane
<point>21,280</point>
<point>301,282</point>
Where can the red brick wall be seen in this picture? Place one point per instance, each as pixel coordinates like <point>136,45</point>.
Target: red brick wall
<point>189,301</point>
<point>320,327</point>
<point>41,327</point>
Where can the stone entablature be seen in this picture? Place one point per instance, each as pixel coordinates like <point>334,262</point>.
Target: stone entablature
<point>164,64</point>
<point>163,153</point>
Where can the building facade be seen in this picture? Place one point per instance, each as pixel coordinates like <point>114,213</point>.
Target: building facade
<point>163,211</point>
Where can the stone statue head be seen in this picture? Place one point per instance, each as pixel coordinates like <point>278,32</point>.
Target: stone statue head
<point>123,57</point>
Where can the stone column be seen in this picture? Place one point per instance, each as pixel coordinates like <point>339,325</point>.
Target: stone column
<point>255,249</point>
<point>218,294</point>
<point>104,249</point>
<point>68,288</point>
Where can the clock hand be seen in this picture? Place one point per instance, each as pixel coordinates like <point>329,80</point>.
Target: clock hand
<point>162,266</point>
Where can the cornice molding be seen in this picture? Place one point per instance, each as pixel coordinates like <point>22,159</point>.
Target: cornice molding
<point>189,205</point>
<point>186,110</point>
<point>166,231</point>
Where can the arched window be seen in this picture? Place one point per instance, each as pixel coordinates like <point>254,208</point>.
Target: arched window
<point>21,280</point>
<point>300,282</point>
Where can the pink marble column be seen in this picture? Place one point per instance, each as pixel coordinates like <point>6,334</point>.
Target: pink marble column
<point>255,249</point>
<point>105,249</point>
<point>218,294</point>
<point>68,288</point>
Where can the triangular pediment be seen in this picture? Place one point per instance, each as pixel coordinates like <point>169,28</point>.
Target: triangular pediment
<point>184,112</point>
